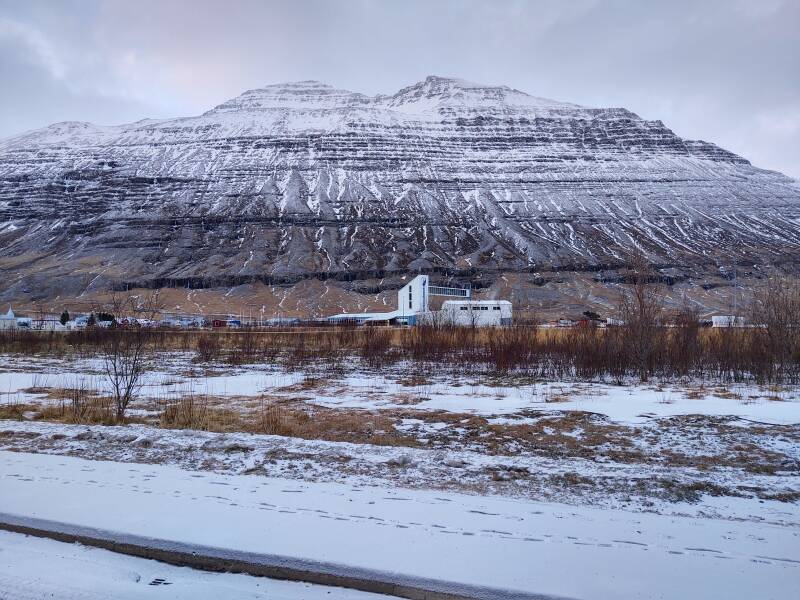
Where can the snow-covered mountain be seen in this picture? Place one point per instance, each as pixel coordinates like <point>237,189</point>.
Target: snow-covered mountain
<point>304,180</point>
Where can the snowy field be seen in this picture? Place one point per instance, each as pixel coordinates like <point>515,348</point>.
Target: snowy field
<point>485,541</point>
<point>495,481</point>
<point>174,375</point>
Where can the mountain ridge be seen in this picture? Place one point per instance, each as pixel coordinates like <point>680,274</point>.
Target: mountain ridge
<point>305,180</point>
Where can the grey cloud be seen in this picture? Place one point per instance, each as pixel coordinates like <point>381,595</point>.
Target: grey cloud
<point>720,70</point>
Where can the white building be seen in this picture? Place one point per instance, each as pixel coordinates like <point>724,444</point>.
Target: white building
<point>46,325</point>
<point>413,306</point>
<point>475,313</point>
<point>412,299</point>
<point>727,321</point>
<point>8,320</point>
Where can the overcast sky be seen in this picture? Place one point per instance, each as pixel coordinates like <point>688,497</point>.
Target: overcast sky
<point>725,71</point>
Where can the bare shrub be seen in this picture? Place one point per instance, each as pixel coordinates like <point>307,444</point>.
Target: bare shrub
<point>684,341</point>
<point>124,350</point>
<point>208,347</point>
<point>29,342</point>
<point>376,347</point>
<point>124,365</point>
<point>776,313</point>
<point>244,348</point>
<point>641,309</point>
<point>512,348</point>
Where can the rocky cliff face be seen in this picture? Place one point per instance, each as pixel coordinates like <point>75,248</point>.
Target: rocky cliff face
<point>302,180</point>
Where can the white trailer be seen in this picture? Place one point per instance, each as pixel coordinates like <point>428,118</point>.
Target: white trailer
<point>476,313</point>
<point>725,321</point>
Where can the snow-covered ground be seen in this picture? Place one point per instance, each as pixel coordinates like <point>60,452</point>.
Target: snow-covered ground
<point>722,491</point>
<point>33,568</point>
<point>174,375</point>
<point>491,481</point>
<point>578,552</point>
<point>631,403</point>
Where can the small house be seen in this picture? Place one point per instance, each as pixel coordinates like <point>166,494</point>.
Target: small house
<point>8,320</point>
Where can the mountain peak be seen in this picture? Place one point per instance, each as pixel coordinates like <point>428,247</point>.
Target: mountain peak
<point>308,94</point>
<point>436,92</point>
<point>443,87</point>
<point>438,83</point>
<point>306,84</point>
<point>427,96</point>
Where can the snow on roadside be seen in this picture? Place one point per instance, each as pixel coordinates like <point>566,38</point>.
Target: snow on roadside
<point>522,545</point>
<point>79,572</point>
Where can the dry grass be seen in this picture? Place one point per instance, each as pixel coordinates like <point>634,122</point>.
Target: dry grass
<point>76,405</point>
<point>726,394</point>
<point>308,383</point>
<point>414,381</point>
<point>565,435</point>
<point>198,412</point>
<point>92,411</point>
<point>314,423</point>
<point>15,411</point>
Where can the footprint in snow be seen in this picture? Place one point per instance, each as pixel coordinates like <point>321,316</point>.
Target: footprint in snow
<point>788,560</point>
<point>631,543</point>
<point>496,531</point>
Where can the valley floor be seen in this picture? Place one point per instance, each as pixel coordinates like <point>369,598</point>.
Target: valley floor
<point>578,489</point>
